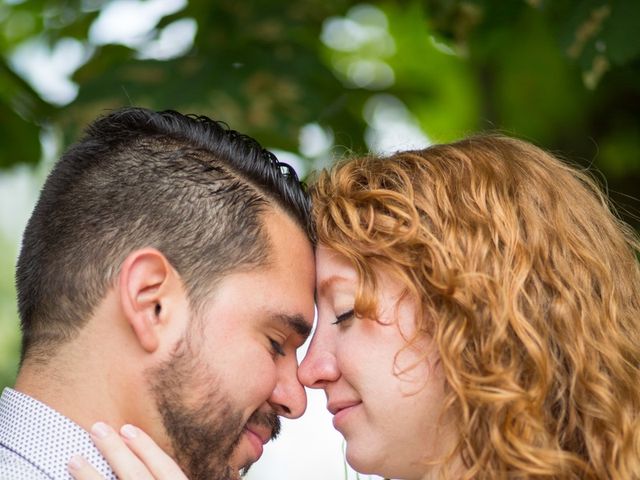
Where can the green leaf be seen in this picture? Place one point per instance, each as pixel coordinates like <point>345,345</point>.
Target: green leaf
<point>19,139</point>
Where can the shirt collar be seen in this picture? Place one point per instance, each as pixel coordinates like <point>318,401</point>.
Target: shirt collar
<point>44,437</point>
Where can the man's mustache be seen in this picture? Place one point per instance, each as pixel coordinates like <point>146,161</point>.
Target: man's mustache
<point>266,419</point>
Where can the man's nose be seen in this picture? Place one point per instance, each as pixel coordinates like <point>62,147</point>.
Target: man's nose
<point>289,398</point>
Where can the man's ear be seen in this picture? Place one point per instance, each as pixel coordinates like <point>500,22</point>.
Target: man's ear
<point>144,279</point>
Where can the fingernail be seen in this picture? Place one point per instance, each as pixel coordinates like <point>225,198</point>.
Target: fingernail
<point>129,431</point>
<point>100,430</point>
<point>76,462</point>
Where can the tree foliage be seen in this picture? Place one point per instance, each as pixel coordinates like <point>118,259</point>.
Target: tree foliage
<point>564,73</point>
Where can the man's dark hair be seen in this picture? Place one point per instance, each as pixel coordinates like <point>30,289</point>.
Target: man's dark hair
<point>186,185</point>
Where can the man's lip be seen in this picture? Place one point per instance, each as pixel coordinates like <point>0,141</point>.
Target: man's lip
<point>335,407</point>
<point>264,434</point>
<point>257,443</point>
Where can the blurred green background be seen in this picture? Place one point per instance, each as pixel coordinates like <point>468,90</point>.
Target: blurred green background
<point>316,79</point>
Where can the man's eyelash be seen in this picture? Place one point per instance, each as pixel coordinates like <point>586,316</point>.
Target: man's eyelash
<point>344,317</point>
<point>276,347</point>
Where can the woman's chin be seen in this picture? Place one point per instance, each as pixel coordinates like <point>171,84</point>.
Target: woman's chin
<point>363,462</point>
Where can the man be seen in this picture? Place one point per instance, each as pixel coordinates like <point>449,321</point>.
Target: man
<point>165,280</point>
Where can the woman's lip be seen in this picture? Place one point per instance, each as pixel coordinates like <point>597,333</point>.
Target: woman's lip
<point>335,406</point>
<point>341,414</point>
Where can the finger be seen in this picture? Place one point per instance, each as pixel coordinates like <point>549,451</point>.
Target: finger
<point>81,469</point>
<point>123,461</point>
<point>161,465</point>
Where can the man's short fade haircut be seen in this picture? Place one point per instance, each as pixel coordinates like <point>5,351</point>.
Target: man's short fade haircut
<point>186,185</point>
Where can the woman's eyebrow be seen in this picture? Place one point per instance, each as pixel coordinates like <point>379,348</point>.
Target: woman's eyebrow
<point>327,283</point>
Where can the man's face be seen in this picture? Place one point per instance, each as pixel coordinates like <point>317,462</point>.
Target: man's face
<point>235,370</point>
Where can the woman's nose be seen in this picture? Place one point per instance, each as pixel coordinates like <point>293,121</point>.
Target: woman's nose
<point>319,366</point>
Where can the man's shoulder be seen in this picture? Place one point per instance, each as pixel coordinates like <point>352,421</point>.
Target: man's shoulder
<point>36,441</point>
<point>14,467</point>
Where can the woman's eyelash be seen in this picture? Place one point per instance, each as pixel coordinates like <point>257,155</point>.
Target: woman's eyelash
<point>277,347</point>
<point>344,317</point>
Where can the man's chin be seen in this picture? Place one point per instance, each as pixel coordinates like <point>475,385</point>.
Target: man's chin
<point>234,474</point>
<point>245,470</point>
<point>237,472</point>
<point>242,464</point>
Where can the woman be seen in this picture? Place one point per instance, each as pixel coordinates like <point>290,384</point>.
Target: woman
<point>478,317</point>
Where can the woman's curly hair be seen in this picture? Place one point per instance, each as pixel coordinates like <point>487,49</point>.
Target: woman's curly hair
<point>529,285</point>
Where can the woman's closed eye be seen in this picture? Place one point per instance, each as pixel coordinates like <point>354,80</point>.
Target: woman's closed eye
<point>348,315</point>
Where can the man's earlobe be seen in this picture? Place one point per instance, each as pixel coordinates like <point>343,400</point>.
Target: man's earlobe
<point>142,281</point>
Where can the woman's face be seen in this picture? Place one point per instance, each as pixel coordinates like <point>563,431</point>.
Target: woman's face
<point>386,397</point>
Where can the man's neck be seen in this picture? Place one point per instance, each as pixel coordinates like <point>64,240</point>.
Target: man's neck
<point>80,386</point>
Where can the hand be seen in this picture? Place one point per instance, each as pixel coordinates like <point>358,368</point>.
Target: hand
<point>132,455</point>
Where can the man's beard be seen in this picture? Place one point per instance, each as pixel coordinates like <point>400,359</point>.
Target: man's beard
<point>203,425</point>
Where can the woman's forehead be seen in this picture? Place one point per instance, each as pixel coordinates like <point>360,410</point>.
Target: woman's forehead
<point>332,268</point>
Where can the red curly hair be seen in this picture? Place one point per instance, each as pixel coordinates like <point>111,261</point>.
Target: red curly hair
<point>528,283</point>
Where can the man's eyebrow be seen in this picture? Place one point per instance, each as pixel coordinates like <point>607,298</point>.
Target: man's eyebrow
<point>295,322</point>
